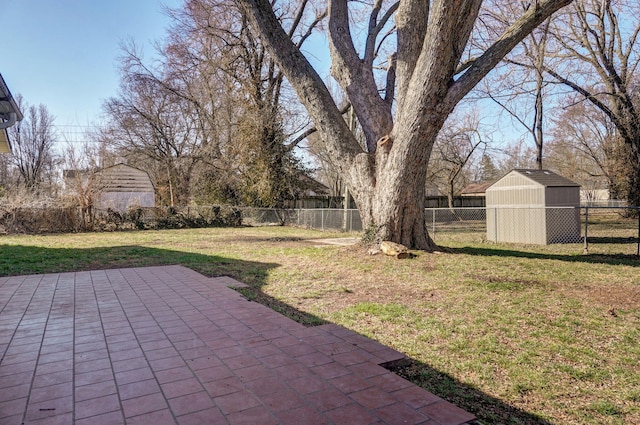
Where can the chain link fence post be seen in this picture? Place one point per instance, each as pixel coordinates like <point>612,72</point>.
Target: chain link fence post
<point>433,223</point>
<point>586,230</point>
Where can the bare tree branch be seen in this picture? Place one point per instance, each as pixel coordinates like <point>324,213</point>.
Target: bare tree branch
<point>533,17</point>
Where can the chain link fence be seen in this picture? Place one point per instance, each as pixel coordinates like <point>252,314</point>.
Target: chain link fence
<point>592,229</point>
<point>325,219</point>
<point>454,220</point>
<point>611,230</point>
<point>456,223</point>
<point>596,230</point>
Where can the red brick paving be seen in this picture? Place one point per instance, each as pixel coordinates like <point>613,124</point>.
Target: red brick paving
<point>166,345</point>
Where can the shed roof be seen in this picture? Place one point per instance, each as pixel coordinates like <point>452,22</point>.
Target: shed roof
<point>125,178</point>
<point>545,178</point>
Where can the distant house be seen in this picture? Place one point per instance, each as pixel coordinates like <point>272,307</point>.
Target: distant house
<point>119,187</point>
<point>312,187</point>
<point>311,193</point>
<point>9,115</point>
<point>5,145</point>
<point>473,195</point>
<point>599,197</point>
<point>475,190</point>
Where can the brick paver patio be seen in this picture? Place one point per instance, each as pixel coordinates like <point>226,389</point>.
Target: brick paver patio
<point>166,345</point>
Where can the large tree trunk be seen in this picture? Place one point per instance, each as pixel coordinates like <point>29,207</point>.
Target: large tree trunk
<point>394,212</point>
<point>394,209</point>
<point>401,213</point>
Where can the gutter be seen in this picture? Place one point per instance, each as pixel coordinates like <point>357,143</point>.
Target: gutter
<point>12,120</point>
<point>9,110</point>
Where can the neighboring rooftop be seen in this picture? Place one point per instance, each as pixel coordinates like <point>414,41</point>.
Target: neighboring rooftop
<point>476,189</point>
<point>9,115</point>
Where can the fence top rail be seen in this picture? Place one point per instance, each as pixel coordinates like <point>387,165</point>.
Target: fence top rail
<point>612,207</point>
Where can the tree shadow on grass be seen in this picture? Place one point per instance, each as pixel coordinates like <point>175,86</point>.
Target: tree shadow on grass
<point>612,240</point>
<point>488,409</point>
<point>611,259</point>
<point>23,260</point>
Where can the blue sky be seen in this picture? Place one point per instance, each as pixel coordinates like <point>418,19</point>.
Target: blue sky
<point>63,53</point>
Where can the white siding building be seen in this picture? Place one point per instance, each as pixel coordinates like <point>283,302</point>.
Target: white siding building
<point>122,186</point>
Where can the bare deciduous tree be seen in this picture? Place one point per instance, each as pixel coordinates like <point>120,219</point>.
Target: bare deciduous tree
<point>516,155</point>
<point>426,77</point>
<point>452,154</point>
<point>32,145</point>
<point>520,86</point>
<point>234,92</point>
<point>149,121</point>
<point>81,163</point>
<point>600,57</point>
<point>585,147</point>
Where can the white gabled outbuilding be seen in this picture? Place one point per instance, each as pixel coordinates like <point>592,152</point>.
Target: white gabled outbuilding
<point>533,207</point>
<point>122,186</point>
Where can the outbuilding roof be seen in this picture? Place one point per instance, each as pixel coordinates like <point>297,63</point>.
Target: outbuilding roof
<point>124,178</point>
<point>116,178</point>
<point>546,178</point>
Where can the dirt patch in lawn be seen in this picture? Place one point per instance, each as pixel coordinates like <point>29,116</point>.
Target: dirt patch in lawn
<point>609,296</point>
<point>335,241</point>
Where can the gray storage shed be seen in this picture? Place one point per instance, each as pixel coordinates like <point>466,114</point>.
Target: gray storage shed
<point>533,207</point>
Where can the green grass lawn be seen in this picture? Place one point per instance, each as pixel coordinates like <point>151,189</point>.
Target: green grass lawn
<point>514,334</point>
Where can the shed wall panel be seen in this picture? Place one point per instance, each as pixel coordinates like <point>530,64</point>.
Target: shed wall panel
<point>122,201</point>
<point>123,187</point>
<point>562,196</point>
<point>526,196</point>
<point>516,225</point>
<point>122,178</point>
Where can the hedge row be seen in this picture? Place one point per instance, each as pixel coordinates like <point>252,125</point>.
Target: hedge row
<point>17,220</point>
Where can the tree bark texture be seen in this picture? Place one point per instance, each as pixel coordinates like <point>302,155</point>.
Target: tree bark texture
<point>387,178</point>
